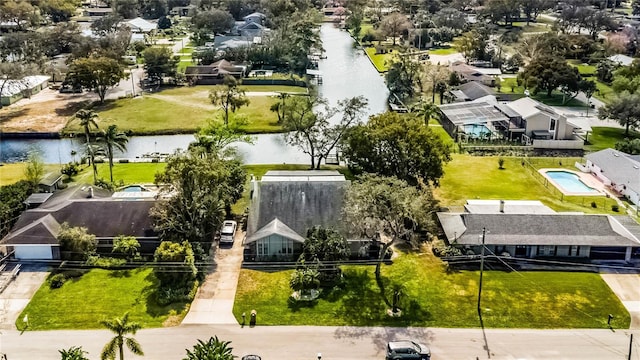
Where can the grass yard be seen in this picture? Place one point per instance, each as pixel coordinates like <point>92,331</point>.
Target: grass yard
<point>584,69</point>
<point>130,173</point>
<point>190,109</point>
<point>443,51</point>
<point>100,294</point>
<point>555,99</point>
<point>432,296</point>
<point>12,173</point>
<point>474,177</point>
<point>380,61</point>
<point>607,137</point>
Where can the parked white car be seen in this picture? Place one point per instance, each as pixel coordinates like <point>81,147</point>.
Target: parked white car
<point>228,231</point>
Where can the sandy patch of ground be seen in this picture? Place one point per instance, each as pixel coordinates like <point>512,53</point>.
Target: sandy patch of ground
<point>47,111</point>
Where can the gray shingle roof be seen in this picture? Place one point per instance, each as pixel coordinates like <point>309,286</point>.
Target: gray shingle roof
<point>300,205</point>
<point>475,90</point>
<point>619,167</point>
<point>103,217</point>
<point>536,229</point>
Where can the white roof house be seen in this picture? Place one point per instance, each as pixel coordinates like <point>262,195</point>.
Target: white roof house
<point>620,59</point>
<point>141,25</point>
<point>14,87</point>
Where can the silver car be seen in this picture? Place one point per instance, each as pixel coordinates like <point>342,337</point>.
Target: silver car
<point>407,349</point>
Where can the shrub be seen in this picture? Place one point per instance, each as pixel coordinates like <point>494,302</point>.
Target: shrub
<point>594,205</point>
<point>71,169</point>
<point>440,249</point>
<point>57,280</point>
<point>105,262</point>
<point>168,295</point>
<point>615,208</point>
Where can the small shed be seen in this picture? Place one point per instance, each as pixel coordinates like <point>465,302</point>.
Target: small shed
<point>50,182</point>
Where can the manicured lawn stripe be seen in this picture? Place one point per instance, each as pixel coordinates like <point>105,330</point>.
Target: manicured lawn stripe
<point>431,296</point>
<point>100,294</point>
<point>607,137</point>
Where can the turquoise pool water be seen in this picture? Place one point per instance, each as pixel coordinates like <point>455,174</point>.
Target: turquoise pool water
<point>476,130</point>
<point>570,182</point>
<point>133,188</point>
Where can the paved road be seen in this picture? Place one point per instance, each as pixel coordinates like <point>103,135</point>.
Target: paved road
<point>335,343</point>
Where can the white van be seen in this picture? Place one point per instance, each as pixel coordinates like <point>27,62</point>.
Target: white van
<point>227,232</point>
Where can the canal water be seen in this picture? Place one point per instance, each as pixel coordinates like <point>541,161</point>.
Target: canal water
<point>346,72</point>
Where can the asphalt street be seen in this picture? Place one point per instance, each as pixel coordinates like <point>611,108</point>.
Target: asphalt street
<point>335,343</point>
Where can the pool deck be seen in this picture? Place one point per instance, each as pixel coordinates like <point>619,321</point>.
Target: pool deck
<point>588,179</point>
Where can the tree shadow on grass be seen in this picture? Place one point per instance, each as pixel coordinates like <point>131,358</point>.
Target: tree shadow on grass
<point>120,274</point>
<point>12,114</point>
<point>72,107</point>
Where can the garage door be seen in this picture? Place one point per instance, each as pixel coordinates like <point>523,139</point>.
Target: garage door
<point>608,253</point>
<point>33,252</point>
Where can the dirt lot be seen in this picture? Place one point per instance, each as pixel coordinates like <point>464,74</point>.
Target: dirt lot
<point>47,111</point>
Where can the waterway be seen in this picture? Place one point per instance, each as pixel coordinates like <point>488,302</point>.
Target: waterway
<point>346,72</point>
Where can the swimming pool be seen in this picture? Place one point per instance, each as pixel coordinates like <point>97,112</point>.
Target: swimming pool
<point>569,182</point>
<point>133,188</point>
<point>476,131</point>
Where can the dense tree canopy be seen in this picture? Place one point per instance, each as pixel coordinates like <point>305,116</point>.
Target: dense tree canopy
<point>546,73</point>
<point>392,144</point>
<point>96,73</point>
<point>625,109</point>
<point>159,62</point>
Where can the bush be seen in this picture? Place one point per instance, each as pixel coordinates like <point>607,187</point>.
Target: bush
<point>167,295</point>
<point>440,249</point>
<point>105,262</point>
<point>594,205</point>
<point>615,208</point>
<point>71,169</point>
<point>57,280</point>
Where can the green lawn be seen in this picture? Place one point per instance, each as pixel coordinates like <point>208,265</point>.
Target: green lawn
<point>100,294</point>
<point>184,110</point>
<point>474,177</point>
<point>11,173</point>
<point>443,51</point>
<point>380,61</point>
<point>584,69</point>
<point>432,296</point>
<point>607,137</point>
<point>129,173</point>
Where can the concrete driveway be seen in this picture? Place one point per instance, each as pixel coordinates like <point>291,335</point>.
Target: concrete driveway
<point>17,295</point>
<point>213,303</point>
<point>627,288</point>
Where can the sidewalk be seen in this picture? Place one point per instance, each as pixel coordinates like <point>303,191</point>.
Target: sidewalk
<point>213,303</point>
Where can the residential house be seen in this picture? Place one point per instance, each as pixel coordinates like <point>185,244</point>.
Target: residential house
<point>620,59</point>
<point>15,90</point>
<point>214,73</point>
<point>470,91</point>
<point>96,12</point>
<point>466,72</point>
<point>141,26</point>
<point>34,236</point>
<point>255,17</point>
<point>525,120</point>
<point>618,170</point>
<point>182,10</point>
<point>285,204</point>
<point>527,230</point>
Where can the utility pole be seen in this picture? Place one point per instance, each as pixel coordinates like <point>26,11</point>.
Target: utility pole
<point>484,231</point>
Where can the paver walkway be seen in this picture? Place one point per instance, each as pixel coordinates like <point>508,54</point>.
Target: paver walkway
<point>627,288</point>
<point>213,303</point>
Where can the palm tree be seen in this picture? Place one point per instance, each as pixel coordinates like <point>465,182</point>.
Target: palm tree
<point>213,349</point>
<point>426,111</point>
<point>87,120</point>
<point>121,327</point>
<point>113,139</point>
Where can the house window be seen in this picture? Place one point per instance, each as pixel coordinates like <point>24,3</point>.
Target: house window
<point>575,250</point>
<point>552,125</point>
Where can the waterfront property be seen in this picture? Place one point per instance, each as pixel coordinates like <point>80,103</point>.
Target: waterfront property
<point>284,205</point>
<point>617,170</point>
<point>105,215</point>
<point>524,120</point>
<point>531,230</point>
<point>15,90</point>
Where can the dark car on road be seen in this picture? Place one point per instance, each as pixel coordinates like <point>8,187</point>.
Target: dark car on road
<point>407,349</point>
